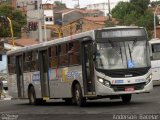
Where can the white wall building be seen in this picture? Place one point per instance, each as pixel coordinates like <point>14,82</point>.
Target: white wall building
<point>48,17</point>
<point>104,6</point>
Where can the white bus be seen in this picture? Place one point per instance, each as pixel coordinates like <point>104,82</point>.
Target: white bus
<point>155,60</point>
<point>110,62</point>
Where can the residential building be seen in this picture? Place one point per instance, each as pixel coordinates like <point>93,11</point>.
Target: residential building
<point>3,60</point>
<point>67,16</point>
<point>48,13</point>
<point>104,7</point>
<point>35,19</point>
<point>91,13</point>
<point>88,23</point>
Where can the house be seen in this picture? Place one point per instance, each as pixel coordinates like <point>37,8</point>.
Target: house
<point>88,23</point>
<point>67,16</point>
<point>48,13</point>
<point>104,7</point>
<point>91,13</point>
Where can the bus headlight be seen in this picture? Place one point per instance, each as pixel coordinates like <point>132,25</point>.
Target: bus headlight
<point>149,78</point>
<point>104,82</point>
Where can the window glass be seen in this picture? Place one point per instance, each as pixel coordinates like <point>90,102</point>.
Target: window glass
<point>0,57</point>
<point>27,61</point>
<point>73,53</point>
<point>34,61</point>
<point>11,64</point>
<point>53,57</point>
<point>156,51</point>
<point>50,19</point>
<point>63,55</point>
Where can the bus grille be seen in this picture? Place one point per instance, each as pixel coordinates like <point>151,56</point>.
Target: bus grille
<point>139,86</point>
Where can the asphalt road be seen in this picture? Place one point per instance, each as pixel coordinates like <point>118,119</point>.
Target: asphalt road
<point>142,106</point>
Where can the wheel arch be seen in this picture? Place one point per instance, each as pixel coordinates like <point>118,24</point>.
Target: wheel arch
<point>73,86</point>
<point>29,87</point>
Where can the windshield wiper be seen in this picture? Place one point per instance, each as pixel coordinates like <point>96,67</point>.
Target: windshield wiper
<point>130,53</point>
<point>133,45</point>
<point>121,54</point>
<point>118,52</point>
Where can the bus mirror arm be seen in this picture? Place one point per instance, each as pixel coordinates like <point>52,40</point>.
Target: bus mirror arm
<point>94,56</point>
<point>94,52</point>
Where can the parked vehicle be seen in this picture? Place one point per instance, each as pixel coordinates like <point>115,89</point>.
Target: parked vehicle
<point>155,60</point>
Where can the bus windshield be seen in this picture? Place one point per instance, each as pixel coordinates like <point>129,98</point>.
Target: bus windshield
<point>122,54</point>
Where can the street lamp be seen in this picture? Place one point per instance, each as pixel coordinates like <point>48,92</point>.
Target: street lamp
<point>11,28</point>
<point>155,20</point>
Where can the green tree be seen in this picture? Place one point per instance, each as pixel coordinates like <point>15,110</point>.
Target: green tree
<point>17,18</point>
<point>141,5</point>
<point>136,13</point>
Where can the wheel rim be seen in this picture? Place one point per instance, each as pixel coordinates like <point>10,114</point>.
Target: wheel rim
<point>32,98</point>
<point>77,96</point>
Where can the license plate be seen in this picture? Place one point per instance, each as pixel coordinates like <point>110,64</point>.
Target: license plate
<point>129,89</point>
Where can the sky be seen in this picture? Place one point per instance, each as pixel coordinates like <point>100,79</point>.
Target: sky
<point>83,3</point>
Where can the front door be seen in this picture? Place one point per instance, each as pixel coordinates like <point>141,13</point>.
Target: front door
<point>19,71</point>
<point>43,60</point>
<point>88,68</point>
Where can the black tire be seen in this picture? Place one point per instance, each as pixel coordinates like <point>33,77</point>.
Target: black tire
<point>32,96</point>
<point>78,98</point>
<point>68,100</point>
<point>126,98</point>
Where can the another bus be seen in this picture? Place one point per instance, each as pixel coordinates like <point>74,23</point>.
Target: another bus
<point>155,60</point>
<point>104,63</point>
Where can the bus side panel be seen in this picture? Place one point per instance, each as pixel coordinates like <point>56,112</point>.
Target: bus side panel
<point>155,64</point>
<point>60,81</point>
<point>12,85</point>
<point>34,79</point>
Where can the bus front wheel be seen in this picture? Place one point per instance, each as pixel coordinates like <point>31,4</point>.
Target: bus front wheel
<point>79,99</point>
<point>126,98</point>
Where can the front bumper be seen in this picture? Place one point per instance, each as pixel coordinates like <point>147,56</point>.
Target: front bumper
<point>103,90</point>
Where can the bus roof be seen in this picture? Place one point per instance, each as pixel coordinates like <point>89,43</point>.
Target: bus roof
<point>65,39</point>
<point>120,27</point>
<point>55,41</point>
<point>154,40</point>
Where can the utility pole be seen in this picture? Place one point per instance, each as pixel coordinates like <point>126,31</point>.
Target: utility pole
<point>39,21</point>
<point>155,31</point>
<point>78,3</point>
<point>109,10</point>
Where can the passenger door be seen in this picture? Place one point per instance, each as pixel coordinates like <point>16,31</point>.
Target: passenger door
<point>19,71</point>
<point>43,62</point>
<point>88,67</point>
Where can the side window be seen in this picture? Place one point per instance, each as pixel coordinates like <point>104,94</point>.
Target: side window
<point>74,53</point>
<point>0,57</point>
<point>34,60</point>
<point>11,64</point>
<point>53,57</point>
<point>156,51</point>
<point>63,54</point>
<point>27,61</point>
